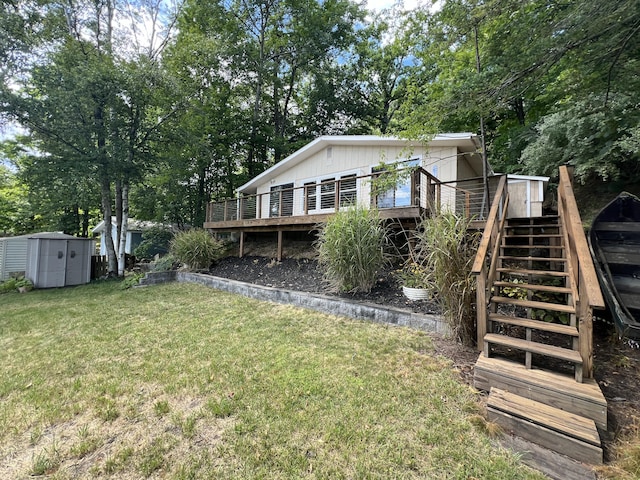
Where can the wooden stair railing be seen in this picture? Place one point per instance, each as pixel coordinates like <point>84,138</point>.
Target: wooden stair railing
<point>534,250</point>
<point>581,270</point>
<point>488,253</point>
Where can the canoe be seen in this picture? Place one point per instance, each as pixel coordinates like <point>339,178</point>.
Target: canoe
<point>614,240</point>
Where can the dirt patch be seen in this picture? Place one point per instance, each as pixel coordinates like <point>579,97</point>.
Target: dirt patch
<point>617,363</point>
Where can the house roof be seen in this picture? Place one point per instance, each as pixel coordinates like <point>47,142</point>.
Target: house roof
<point>466,142</point>
<point>133,225</point>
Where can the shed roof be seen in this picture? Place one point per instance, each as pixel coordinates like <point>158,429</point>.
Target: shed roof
<point>465,141</point>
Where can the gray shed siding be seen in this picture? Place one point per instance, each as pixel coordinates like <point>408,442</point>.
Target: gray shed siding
<point>13,255</point>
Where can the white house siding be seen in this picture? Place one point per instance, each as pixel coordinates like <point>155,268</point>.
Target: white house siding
<point>337,160</point>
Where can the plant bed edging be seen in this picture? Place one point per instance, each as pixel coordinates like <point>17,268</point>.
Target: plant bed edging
<point>321,303</point>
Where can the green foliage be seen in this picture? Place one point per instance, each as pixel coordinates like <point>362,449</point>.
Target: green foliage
<point>165,263</point>
<point>600,140</point>
<point>413,275</point>
<point>446,248</point>
<point>14,284</point>
<point>131,280</point>
<point>196,248</point>
<point>155,241</point>
<point>351,249</point>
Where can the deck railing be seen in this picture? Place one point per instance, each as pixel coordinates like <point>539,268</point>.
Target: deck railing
<point>582,274</point>
<point>486,261</point>
<point>421,190</point>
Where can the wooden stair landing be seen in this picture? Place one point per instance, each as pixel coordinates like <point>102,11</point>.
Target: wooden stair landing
<point>554,389</point>
<point>561,431</point>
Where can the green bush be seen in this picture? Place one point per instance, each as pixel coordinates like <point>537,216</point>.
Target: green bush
<point>155,241</point>
<point>351,249</point>
<point>14,283</point>
<point>446,248</point>
<point>165,264</point>
<point>196,248</point>
<point>9,285</point>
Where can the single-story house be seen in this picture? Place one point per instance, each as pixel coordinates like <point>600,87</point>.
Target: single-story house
<point>134,234</point>
<point>309,180</point>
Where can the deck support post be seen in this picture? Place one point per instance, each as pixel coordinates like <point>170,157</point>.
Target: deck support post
<point>279,257</point>
<point>241,249</point>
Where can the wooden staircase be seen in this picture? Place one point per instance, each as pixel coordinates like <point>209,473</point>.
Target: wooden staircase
<point>536,294</point>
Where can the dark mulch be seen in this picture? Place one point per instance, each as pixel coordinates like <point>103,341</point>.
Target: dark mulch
<point>304,275</point>
<point>617,363</point>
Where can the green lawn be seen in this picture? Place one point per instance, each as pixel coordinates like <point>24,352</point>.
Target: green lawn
<point>181,381</point>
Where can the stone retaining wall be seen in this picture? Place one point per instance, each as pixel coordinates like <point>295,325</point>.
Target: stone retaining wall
<point>312,301</point>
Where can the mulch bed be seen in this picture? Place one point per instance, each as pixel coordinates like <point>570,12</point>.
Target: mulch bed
<point>617,363</point>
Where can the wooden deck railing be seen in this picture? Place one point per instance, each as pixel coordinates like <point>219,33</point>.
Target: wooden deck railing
<point>425,191</point>
<point>485,264</point>
<point>582,274</point>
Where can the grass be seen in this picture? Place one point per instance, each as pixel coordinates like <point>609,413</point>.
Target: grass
<point>180,381</point>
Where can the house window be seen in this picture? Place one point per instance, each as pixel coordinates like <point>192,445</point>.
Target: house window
<point>400,196</point>
<point>328,193</point>
<point>348,190</point>
<point>310,195</point>
<point>281,200</point>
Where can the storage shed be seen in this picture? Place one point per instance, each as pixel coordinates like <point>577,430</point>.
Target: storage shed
<point>58,260</point>
<point>13,255</point>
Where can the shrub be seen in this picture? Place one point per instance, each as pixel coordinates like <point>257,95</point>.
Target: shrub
<point>165,264</point>
<point>9,285</point>
<point>196,248</point>
<point>446,249</point>
<point>155,241</point>
<point>351,249</point>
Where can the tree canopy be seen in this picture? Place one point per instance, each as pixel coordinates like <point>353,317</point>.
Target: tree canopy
<point>164,106</point>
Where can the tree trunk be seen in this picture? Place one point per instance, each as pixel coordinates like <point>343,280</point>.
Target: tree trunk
<point>123,227</point>
<point>105,188</point>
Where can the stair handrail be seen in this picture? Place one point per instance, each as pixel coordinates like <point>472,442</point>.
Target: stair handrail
<point>488,250</point>
<point>582,268</point>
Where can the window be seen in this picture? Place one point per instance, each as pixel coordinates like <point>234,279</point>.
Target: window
<point>281,200</point>
<point>348,190</point>
<point>310,195</point>
<point>400,196</point>
<point>328,193</point>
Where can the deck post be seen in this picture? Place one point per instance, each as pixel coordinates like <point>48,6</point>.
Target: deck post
<point>279,256</point>
<point>481,306</point>
<point>258,206</point>
<point>241,249</point>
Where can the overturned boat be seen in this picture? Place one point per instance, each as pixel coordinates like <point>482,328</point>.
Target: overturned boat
<point>614,241</point>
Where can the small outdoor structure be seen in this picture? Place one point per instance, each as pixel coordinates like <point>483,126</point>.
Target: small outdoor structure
<point>526,195</point>
<point>58,260</point>
<point>13,255</point>
<point>135,229</point>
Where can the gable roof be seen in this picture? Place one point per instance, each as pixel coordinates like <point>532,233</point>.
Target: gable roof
<point>466,142</point>
<point>133,225</point>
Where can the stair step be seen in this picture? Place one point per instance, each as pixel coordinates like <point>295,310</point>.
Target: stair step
<point>532,247</point>
<point>560,353</point>
<point>532,259</point>
<point>540,273</point>
<point>535,324</point>
<point>555,307</point>
<point>524,225</point>
<point>532,286</point>
<point>552,388</point>
<point>567,433</point>
<point>539,235</point>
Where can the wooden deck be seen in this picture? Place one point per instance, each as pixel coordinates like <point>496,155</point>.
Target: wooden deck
<point>303,222</point>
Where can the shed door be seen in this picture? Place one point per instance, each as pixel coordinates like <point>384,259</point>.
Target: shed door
<point>51,263</point>
<point>518,200</point>
<point>77,262</point>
